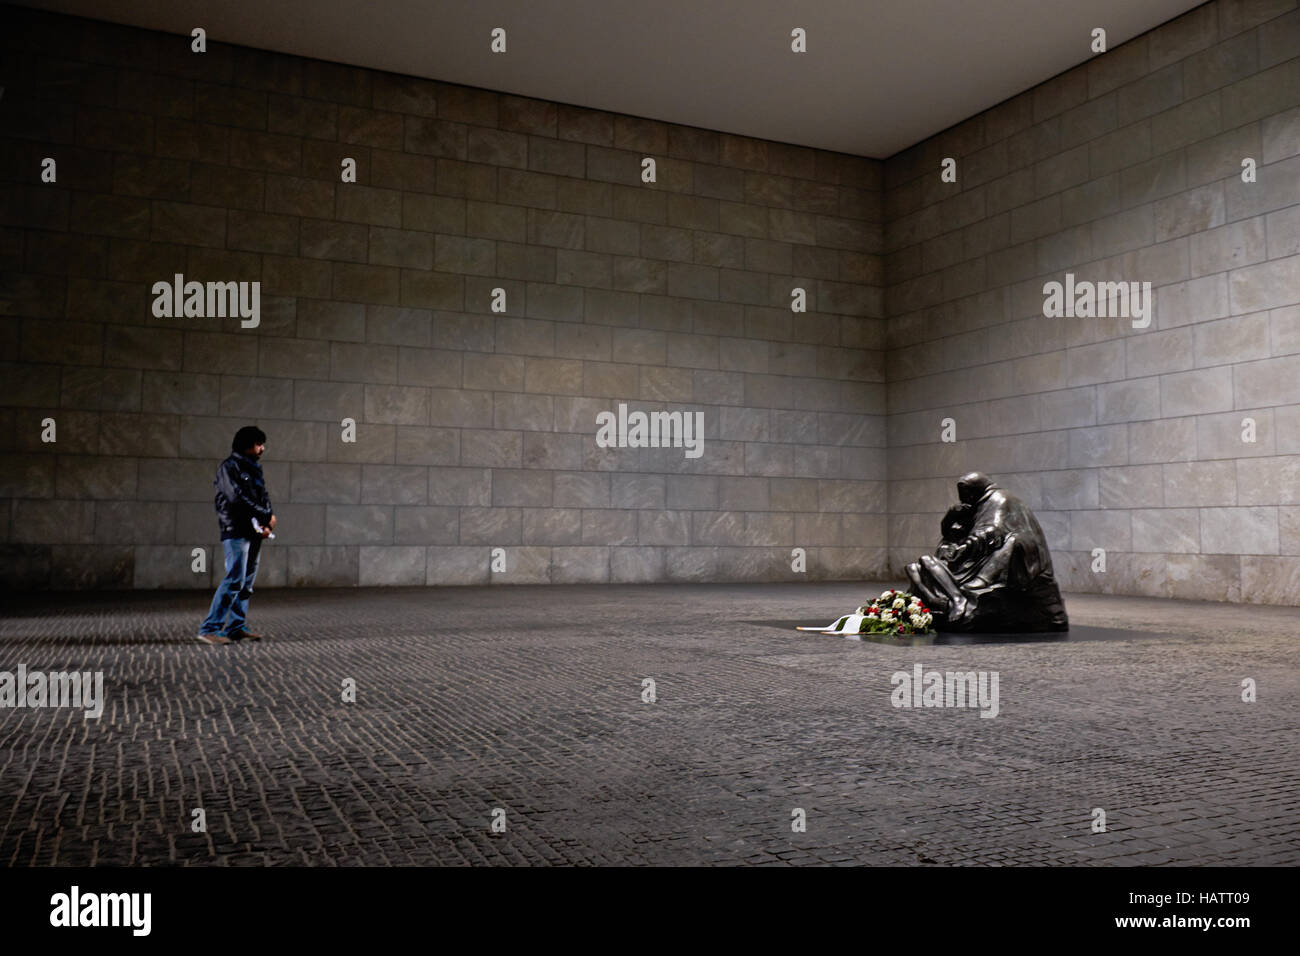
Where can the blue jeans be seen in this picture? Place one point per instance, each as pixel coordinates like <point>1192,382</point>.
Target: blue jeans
<point>235,589</point>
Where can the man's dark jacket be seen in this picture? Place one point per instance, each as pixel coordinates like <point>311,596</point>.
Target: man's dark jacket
<point>241,496</point>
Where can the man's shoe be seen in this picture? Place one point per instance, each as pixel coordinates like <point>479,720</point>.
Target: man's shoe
<point>244,635</point>
<point>212,638</point>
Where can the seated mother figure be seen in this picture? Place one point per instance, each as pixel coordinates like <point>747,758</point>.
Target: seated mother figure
<point>993,570</point>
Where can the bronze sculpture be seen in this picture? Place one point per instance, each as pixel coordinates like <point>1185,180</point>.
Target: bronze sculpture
<point>992,571</point>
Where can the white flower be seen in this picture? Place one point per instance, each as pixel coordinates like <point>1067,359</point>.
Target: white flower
<point>886,595</point>
<point>899,604</point>
<point>886,615</point>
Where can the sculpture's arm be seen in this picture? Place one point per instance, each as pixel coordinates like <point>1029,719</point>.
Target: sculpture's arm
<point>980,542</point>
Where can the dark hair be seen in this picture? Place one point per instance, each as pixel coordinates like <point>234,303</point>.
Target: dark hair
<point>247,437</point>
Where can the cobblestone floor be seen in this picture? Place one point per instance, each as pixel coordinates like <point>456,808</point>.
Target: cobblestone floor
<point>529,699</point>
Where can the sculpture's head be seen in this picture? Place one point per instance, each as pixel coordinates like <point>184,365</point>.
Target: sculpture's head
<point>956,524</point>
<point>972,487</point>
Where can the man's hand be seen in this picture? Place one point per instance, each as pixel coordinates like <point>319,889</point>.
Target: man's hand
<point>265,532</point>
<point>270,524</point>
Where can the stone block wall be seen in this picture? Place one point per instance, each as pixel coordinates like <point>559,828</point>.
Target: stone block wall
<point>475,429</point>
<point>1130,440</point>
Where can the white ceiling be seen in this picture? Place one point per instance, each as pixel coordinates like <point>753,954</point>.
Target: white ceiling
<point>879,75</point>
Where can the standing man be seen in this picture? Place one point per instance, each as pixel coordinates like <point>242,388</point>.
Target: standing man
<point>244,514</point>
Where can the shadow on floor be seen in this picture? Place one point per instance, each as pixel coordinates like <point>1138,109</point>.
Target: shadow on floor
<point>1079,632</point>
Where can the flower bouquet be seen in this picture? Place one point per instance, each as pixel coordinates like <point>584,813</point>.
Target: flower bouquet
<point>894,613</point>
